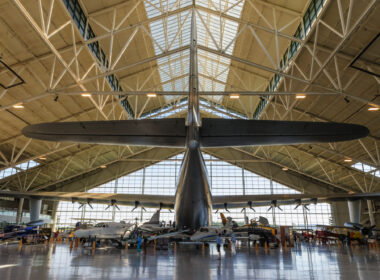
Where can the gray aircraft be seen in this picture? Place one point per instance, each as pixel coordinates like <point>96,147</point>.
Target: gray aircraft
<point>193,201</point>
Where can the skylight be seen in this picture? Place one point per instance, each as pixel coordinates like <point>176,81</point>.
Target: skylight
<point>213,69</point>
<point>168,110</point>
<point>18,168</point>
<point>218,110</point>
<point>366,168</point>
<point>168,34</point>
<point>173,32</point>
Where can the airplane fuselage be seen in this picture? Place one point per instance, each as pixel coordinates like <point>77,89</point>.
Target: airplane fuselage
<point>193,196</point>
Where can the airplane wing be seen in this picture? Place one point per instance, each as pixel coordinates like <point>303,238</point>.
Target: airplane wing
<point>159,133</point>
<point>227,133</point>
<point>174,234</point>
<point>137,200</point>
<point>242,201</point>
<point>213,132</point>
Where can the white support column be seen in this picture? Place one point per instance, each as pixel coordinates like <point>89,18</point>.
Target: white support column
<point>243,182</point>
<point>354,208</point>
<point>142,192</point>
<point>370,213</point>
<point>54,215</point>
<point>34,209</point>
<point>19,211</point>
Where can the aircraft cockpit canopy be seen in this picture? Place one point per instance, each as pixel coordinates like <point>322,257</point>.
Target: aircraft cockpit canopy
<point>100,225</point>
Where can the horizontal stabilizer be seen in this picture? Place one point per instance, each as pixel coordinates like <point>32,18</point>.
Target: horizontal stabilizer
<point>160,133</point>
<point>224,133</point>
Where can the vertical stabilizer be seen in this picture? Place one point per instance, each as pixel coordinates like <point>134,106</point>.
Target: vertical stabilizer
<point>155,218</point>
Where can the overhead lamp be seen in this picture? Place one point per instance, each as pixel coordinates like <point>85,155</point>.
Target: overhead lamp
<point>86,94</point>
<point>42,158</point>
<point>151,94</point>
<point>373,108</point>
<point>300,96</point>
<point>234,96</point>
<point>285,169</point>
<point>103,166</point>
<point>347,160</point>
<point>18,106</point>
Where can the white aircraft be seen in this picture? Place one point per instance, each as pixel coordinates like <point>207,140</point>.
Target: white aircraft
<point>153,225</point>
<point>207,233</point>
<point>108,230</point>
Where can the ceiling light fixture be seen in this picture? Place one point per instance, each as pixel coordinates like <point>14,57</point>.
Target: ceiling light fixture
<point>300,96</point>
<point>103,166</point>
<point>42,158</point>
<point>234,96</point>
<point>152,94</point>
<point>285,169</point>
<point>18,106</point>
<point>347,160</point>
<point>86,94</point>
<point>373,108</point>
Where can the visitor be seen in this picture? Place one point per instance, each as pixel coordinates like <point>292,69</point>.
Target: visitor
<point>218,245</point>
<point>139,240</point>
<point>233,243</point>
<point>145,244</point>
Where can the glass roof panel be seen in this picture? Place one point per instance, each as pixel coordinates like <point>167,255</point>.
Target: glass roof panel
<point>169,33</point>
<point>366,168</point>
<point>174,31</point>
<point>156,8</point>
<point>18,168</point>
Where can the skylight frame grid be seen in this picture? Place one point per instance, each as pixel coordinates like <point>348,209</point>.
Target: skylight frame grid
<point>18,168</point>
<point>156,8</point>
<point>232,8</point>
<point>164,31</point>
<point>366,168</point>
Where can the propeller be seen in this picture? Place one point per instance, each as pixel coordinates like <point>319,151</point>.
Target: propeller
<point>161,205</point>
<point>138,204</point>
<point>298,202</point>
<point>113,203</point>
<point>225,207</point>
<point>273,204</point>
<point>89,201</point>
<point>250,204</point>
<point>365,231</point>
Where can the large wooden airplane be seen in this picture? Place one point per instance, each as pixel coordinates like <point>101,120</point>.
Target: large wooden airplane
<point>193,201</point>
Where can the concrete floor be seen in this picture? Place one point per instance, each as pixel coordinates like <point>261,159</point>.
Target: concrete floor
<point>303,262</point>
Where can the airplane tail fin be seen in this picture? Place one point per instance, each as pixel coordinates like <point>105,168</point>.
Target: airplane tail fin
<point>155,218</point>
<point>263,221</point>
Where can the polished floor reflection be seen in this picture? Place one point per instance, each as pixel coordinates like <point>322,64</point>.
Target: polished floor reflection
<point>302,262</point>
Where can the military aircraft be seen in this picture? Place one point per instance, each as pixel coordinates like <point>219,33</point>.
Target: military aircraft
<point>117,231</point>
<point>193,202</point>
<point>365,231</point>
<point>17,231</point>
<point>104,230</point>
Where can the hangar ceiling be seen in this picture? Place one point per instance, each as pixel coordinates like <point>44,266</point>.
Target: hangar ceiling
<point>99,60</point>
